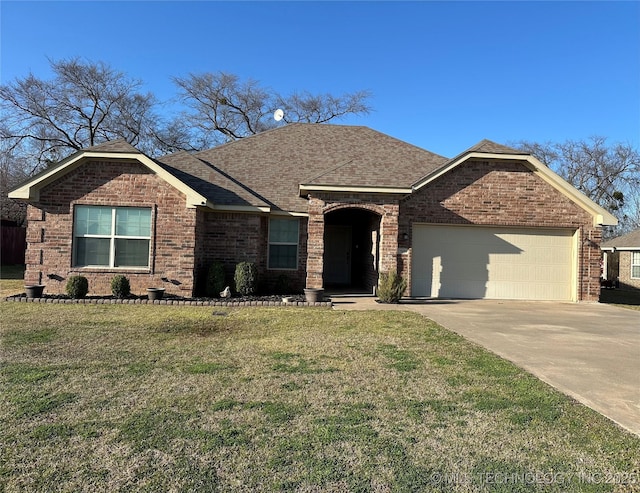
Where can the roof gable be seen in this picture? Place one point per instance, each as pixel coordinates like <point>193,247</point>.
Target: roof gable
<point>115,150</point>
<point>488,150</point>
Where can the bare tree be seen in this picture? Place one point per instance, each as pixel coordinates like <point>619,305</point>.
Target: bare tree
<point>13,170</point>
<point>223,108</point>
<point>84,104</point>
<point>608,174</point>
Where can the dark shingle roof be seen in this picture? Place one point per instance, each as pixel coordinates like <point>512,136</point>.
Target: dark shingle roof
<point>630,240</point>
<point>119,145</point>
<point>490,147</point>
<point>274,163</point>
<point>208,181</point>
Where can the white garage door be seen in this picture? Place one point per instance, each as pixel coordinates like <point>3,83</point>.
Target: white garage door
<point>494,263</point>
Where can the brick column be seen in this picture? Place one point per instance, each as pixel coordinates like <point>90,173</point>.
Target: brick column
<point>34,251</point>
<point>315,243</point>
<point>389,239</point>
<point>589,280</point>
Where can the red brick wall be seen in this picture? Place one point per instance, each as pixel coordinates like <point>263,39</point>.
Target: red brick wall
<point>502,194</point>
<point>322,203</point>
<point>50,228</point>
<point>232,238</point>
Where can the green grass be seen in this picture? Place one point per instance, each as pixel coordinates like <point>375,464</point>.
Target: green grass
<point>11,280</point>
<point>155,398</point>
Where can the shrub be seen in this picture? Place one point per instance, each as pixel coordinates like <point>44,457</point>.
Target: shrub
<point>391,287</point>
<point>77,286</point>
<point>215,280</point>
<point>120,286</point>
<point>246,278</point>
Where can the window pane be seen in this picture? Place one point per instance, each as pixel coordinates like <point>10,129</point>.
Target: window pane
<point>92,251</point>
<point>132,253</point>
<point>131,221</point>
<point>283,231</point>
<point>635,271</point>
<point>92,220</point>
<point>283,256</point>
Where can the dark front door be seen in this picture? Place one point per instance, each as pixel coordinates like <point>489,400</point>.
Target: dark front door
<point>337,252</point>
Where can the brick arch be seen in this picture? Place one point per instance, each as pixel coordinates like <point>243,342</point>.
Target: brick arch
<point>376,209</point>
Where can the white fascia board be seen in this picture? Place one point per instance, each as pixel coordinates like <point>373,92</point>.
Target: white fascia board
<point>239,208</point>
<point>289,214</point>
<point>305,188</point>
<point>620,249</point>
<point>601,217</point>
<point>31,189</point>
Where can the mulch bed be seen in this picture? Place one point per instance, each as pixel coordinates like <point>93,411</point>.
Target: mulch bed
<point>273,300</point>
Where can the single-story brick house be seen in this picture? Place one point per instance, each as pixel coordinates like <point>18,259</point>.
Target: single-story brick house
<point>325,205</point>
<point>622,260</point>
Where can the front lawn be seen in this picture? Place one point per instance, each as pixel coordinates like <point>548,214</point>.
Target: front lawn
<point>11,280</point>
<point>159,398</point>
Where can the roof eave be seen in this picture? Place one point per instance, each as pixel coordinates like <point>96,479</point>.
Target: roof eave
<point>620,249</point>
<point>305,188</point>
<point>239,208</point>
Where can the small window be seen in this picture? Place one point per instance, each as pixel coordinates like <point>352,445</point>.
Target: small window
<point>283,243</point>
<point>111,236</point>
<point>635,265</point>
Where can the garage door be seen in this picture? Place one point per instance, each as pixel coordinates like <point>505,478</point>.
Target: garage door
<point>494,263</point>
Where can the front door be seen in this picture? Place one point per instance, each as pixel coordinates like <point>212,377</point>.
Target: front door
<point>337,254</point>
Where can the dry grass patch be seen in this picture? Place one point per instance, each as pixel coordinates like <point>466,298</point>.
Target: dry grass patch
<point>153,398</point>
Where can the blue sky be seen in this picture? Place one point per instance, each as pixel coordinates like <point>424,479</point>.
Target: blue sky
<point>444,75</point>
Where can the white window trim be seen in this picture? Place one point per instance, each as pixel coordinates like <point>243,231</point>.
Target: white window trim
<point>269,243</point>
<point>112,241</point>
<point>637,254</point>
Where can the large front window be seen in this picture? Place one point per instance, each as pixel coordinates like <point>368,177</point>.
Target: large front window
<point>283,243</point>
<point>111,236</point>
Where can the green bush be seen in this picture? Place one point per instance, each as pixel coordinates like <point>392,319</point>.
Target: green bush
<point>120,286</point>
<point>391,287</point>
<point>215,280</point>
<point>246,278</point>
<point>77,286</point>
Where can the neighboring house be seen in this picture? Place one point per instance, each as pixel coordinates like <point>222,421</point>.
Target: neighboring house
<point>326,206</point>
<point>622,261</point>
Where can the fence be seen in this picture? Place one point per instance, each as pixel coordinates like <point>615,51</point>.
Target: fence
<point>13,242</point>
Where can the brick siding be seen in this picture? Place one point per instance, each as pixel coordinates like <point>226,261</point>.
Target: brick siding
<point>50,228</point>
<point>231,238</point>
<point>499,193</point>
<point>321,204</point>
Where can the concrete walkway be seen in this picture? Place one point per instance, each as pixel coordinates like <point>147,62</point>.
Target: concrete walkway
<point>589,351</point>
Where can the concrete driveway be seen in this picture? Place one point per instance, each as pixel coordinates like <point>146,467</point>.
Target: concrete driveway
<point>589,351</point>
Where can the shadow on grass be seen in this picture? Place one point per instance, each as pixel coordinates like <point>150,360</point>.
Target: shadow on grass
<point>620,297</point>
<point>12,272</point>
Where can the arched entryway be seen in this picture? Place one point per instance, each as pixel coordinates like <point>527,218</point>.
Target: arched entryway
<point>351,249</point>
